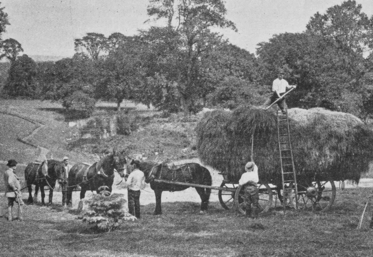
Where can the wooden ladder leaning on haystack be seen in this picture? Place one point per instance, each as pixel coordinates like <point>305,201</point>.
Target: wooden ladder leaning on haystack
<point>288,173</point>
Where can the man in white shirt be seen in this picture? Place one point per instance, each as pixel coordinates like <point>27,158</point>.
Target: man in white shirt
<point>249,180</point>
<point>135,183</point>
<point>279,87</point>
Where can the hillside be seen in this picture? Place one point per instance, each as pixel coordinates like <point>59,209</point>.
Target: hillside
<point>29,125</point>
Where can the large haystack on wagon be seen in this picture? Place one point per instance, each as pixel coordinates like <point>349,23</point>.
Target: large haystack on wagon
<point>327,146</point>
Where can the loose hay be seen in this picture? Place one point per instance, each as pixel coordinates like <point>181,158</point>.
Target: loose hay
<point>326,145</point>
<point>106,212</point>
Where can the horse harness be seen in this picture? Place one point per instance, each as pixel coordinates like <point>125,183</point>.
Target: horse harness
<point>39,179</point>
<point>178,173</point>
<point>99,172</point>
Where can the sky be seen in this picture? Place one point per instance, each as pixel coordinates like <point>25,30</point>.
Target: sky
<point>49,27</point>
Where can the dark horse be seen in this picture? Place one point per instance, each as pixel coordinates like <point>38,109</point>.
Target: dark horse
<point>43,174</point>
<point>186,173</point>
<point>99,176</point>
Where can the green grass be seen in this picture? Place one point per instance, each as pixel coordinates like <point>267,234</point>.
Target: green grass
<point>182,231</point>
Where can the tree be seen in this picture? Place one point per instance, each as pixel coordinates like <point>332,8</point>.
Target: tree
<point>72,81</point>
<point>10,49</point>
<point>122,72</point>
<point>3,20</point>
<point>22,78</point>
<point>183,43</point>
<point>92,44</point>
<point>348,30</point>
<point>116,40</point>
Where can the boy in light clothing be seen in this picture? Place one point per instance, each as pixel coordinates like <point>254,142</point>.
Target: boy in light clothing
<point>135,182</point>
<point>249,180</point>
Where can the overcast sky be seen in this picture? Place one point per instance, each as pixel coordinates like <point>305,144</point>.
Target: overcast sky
<point>49,27</point>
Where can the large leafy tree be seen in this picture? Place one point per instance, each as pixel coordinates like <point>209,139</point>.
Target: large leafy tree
<point>347,29</point>
<point>122,72</point>
<point>93,45</point>
<point>179,47</point>
<point>72,81</point>
<point>10,49</point>
<point>3,20</point>
<point>328,57</point>
<point>22,78</point>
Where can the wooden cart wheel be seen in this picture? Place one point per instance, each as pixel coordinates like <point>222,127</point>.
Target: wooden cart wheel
<point>226,198</point>
<point>323,198</point>
<point>265,198</point>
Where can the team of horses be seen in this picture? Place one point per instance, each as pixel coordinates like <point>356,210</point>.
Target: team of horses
<point>99,177</point>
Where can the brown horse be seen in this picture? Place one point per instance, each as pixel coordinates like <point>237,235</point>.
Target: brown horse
<point>188,173</point>
<point>43,174</point>
<point>99,176</point>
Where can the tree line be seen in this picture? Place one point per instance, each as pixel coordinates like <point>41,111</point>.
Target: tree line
<point>184,65</point>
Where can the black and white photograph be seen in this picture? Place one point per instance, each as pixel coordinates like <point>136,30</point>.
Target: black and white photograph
<point>186,128</point>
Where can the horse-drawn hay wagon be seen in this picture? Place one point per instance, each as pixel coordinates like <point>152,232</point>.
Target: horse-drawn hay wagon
<point>327,147</point>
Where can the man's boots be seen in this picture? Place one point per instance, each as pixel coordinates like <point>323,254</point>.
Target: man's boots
<point>248,212</point>
<point>10,216</point>
<point>254,213</point>
<point>20,217</point>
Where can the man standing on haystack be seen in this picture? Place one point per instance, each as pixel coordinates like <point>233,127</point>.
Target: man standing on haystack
<point>279,87</point>
<point>249,180</point>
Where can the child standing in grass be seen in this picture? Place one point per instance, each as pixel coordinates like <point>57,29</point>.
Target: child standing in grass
<point>13,189</point>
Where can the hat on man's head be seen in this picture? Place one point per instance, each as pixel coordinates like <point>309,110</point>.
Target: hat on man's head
<point>65,158</point>
<point>280,71</point>
<point>249,166</point>
<point>11,163</point>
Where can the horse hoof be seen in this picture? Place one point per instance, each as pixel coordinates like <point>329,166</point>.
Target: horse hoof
<point>202,212</point>
<point>157,213</point>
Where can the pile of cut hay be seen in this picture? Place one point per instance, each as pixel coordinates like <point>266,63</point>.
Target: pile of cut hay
<point>106,213</point>
<point>326,145</point>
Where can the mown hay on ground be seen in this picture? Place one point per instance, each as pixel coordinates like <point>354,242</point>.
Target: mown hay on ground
<point>106,212</point>
<point>326,145</point>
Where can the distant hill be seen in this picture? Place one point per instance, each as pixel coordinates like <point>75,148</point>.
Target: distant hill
<point>46,58</point>
<point>40,58</point>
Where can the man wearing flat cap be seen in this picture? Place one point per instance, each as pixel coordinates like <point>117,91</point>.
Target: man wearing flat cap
<point>279,87</point>
<point>249,180</point>
<point>13,189</point>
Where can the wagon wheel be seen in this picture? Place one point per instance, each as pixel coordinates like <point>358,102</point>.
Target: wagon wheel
<point>265,198</point>
<point>226,198</point>
<point>321,200</point>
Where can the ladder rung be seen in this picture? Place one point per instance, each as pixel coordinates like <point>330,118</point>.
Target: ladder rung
<point>287,173</point>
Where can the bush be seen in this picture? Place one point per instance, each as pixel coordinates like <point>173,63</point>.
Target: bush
<point>126,123</point>
<point>79,104</point>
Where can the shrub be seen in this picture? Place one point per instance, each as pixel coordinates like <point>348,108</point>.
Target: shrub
<point>79,104</point>
<point>126,123</point>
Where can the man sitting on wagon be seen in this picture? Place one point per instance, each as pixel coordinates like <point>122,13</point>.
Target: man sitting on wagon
<point>249,180</point>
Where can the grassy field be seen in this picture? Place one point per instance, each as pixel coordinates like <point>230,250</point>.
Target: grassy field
<point>182,231</point>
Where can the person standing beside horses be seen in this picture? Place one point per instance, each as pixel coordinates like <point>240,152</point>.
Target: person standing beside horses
<point>249,180</point>
<point>13,189</point>
<point>279,87</point>
<point>135,182</point>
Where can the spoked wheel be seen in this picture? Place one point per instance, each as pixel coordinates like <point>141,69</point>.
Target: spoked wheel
<point>319,196</point>
<point>265,198</point>
<point>226,197</point>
